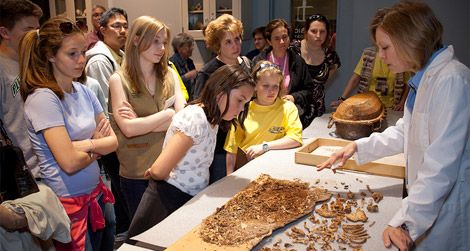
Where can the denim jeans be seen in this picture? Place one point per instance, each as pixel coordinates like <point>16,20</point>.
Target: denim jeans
<point>218,169</point>
<point>110,164</point>
<point>102,239</point>
<point>133,190</point>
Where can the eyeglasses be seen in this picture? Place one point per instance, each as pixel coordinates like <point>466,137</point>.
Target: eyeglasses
<point>316,17</point>
<point>68,27</point>
<point>119,26</point>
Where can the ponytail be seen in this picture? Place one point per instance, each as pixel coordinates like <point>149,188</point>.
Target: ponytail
<point>35,71</point>
<point>36,47</point>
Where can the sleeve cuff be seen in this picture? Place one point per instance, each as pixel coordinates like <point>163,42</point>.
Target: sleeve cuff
<point>359,155</point>
<point>398,220</point>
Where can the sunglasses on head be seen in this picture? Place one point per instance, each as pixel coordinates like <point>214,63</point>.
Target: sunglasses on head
<point>316,17</point>
<point>268,65</point>
<point>68,27</point>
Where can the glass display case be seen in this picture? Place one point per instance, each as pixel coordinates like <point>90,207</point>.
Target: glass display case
<point>198,13</point>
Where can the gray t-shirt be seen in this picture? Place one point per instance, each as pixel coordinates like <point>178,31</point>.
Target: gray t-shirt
<point>12,111</point>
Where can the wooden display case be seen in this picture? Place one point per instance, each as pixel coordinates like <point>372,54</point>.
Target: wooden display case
<point>198,13</point>
<point>393,166</point>
<point>73,9</point>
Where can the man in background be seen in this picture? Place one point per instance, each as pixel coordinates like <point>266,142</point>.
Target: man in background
<point>16,18</point>
<point>260,42</point>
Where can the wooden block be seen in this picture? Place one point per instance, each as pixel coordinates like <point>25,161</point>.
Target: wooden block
<point>241,159</point>
<point>391,167</point>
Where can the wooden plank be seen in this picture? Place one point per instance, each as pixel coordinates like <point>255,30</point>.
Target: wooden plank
<point>391,168</point>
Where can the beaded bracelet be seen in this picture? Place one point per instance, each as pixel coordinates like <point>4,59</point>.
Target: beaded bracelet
<point>93,147</point>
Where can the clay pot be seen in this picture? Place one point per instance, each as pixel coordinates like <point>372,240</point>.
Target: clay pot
<point>359,116</point>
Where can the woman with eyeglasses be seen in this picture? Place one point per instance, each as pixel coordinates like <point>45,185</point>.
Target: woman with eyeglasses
<point>92,36</point>
<point>223,36</point>
<point>144,96</point>
<point>321,60</point>
<point>298,85</point>
<point>434,133</point>
<point>271,122</point>
<point>68,130</point>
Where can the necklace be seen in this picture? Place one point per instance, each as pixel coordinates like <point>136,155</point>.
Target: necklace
<point>285,70</point>
<point>277,62</point>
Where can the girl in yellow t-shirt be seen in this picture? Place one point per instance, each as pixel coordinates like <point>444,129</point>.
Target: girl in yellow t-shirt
<point>271,122</point>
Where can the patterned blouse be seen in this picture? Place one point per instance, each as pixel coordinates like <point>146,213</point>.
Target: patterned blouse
<point>321,72</point>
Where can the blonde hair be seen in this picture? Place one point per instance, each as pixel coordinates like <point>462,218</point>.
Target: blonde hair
<point>266,67</point>
<point>37,47</point>
<point>413,29</point>
<point>142,33</point>
<point>215,31</point>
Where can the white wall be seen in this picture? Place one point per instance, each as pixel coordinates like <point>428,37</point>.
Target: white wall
<point>167,11</point>
<point>104,3</point>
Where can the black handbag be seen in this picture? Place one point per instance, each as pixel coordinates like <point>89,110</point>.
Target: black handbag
<point>16,180</point>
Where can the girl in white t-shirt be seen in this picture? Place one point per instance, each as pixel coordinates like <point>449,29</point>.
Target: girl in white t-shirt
<point>182,169</point>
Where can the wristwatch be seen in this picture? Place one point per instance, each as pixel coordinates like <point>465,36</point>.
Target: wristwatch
<point>341,98</point>
<point>265,147</point>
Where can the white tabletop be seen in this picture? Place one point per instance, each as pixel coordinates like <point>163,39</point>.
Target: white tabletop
<point>279,164</point>
<point>127,247</point>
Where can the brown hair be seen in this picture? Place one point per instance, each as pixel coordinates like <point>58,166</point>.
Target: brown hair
<point>274,24</point>
<point>413,28</point>
<point>13,10</point>
<point>322,19</point>
<point>215,31</point>
<point>259,30</point>
<point>264,66</point>
<point>142,33</point>
<point>37,47</point>
<point>222,81</point>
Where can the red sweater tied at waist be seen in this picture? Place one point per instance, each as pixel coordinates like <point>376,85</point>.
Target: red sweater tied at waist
<point>77,207</point>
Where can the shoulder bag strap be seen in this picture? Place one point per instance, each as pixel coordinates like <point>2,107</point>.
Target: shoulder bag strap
<point>106,56</point>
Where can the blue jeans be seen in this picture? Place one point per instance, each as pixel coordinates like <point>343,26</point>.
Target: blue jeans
<point>102,239</point>
<point>133,190</point>
<point>110,164</point>
<point>218,168</point>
